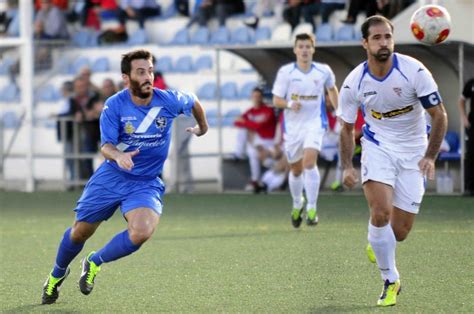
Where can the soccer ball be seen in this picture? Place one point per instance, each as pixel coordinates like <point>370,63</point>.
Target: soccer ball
<point>431,24</point>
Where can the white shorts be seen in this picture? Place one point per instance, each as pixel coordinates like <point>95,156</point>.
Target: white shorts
<point>307,139</point>
<point>399,170</point>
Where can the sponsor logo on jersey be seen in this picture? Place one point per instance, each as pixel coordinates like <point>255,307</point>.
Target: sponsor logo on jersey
<point>129,128</point>
<point>370,93</point>
<point>397,91</point>
<point>390,114</point>
<point>161,123</point>
<point>296,97</point>
<point>122,119</point>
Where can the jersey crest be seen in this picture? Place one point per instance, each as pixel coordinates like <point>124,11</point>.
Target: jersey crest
<point>161,123</point>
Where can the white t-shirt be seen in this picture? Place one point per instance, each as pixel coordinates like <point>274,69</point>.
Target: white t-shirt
<point>392,106</point>
<point>307,88</point>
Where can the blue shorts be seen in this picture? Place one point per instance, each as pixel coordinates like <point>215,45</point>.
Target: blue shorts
<point>109,188</point>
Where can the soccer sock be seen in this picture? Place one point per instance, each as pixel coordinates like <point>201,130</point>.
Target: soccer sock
<point>296,189</point>
<point>118,247</point>
<point>311,186</point>
<point>66,252</point>
<point>384,244</point>
<point>254,163</point>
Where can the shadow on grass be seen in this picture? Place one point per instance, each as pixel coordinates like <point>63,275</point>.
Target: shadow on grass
<point>224,236</point>
<point>27,308</point>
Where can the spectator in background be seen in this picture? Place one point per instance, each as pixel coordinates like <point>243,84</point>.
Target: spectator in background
<point>264,7</point>
<point>61,4</point>
<point>159,81</point>
<point>467,120</point>
<point>86,73</point>
<point>202,13</point>
<point>292,12</point>
<point>356,6</point>
<point>86,108</point>
<point>323,7</point>
<point>275,177</point>
<point>50,22</point>
<point>138,10</point>
<point>206,9</point>
<point>108,89</point>
<point>10,20</point>
<point>64,131</point>
<point>256,132</point>
<point>226,8</point>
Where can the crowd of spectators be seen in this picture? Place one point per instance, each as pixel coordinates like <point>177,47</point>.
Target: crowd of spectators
<point>52,16</point>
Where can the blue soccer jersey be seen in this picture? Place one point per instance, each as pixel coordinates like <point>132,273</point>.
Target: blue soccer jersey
<point>146,128</point>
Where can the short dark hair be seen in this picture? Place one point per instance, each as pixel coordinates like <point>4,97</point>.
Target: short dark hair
<point>373,20</point>
<point>258,90</point>
<point>306,36</point>
<point>126,64</point>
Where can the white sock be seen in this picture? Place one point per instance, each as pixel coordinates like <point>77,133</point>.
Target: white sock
<point>254,163</point>
<point>296,189</point>
<point>311,186</point>
<point>241,140</point>
<point>384,244</point>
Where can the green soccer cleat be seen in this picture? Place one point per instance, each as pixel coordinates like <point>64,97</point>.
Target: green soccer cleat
<point>389,293</point>
<point>312,217</point>
<point>297,217</point>
<point>371,254</point>
<point>89,271</point>
<point>51,288</point>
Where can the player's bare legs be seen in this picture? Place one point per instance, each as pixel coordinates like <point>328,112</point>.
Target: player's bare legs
<point>142,222</point>
<point>70,246</point>
<point>295,182</point>
<point>81,231</point>
<point>311,184</point>
<point>381,235</point>
<point>402,222</point>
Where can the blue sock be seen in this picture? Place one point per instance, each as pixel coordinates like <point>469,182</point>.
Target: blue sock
<point>118,247</point>
<point>66,252</point>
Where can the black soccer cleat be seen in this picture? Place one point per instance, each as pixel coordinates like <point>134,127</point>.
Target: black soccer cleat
<point>89,272</point>
<point>297,217</point>
<point>51,288</point>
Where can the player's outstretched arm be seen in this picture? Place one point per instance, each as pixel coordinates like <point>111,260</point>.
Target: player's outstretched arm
<point>333,95</point>
<point>349,176</point>
<point>439,125</point>
<point>200,116</point>
<point>124,160</point>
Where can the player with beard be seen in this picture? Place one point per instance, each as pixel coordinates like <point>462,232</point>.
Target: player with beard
<point>394,91</point>
<point>136,126</point>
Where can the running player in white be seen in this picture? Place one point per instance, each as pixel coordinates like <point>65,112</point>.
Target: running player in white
<point>299,88</point>
<point>394,90</point>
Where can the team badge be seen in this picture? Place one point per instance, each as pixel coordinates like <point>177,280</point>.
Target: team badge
<point>161,123</point>
<point>398,91</point>
<point>129,129</point>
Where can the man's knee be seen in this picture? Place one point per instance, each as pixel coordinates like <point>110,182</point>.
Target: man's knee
<point>82,231</point>
<point>380,215</point>
<point>139,235</point>
<point>401,233</point>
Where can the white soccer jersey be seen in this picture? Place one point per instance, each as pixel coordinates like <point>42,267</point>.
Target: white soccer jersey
<point>392,106</point>
<point>307,88</point>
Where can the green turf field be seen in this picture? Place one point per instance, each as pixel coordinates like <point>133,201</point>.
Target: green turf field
<point>239,253</point>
